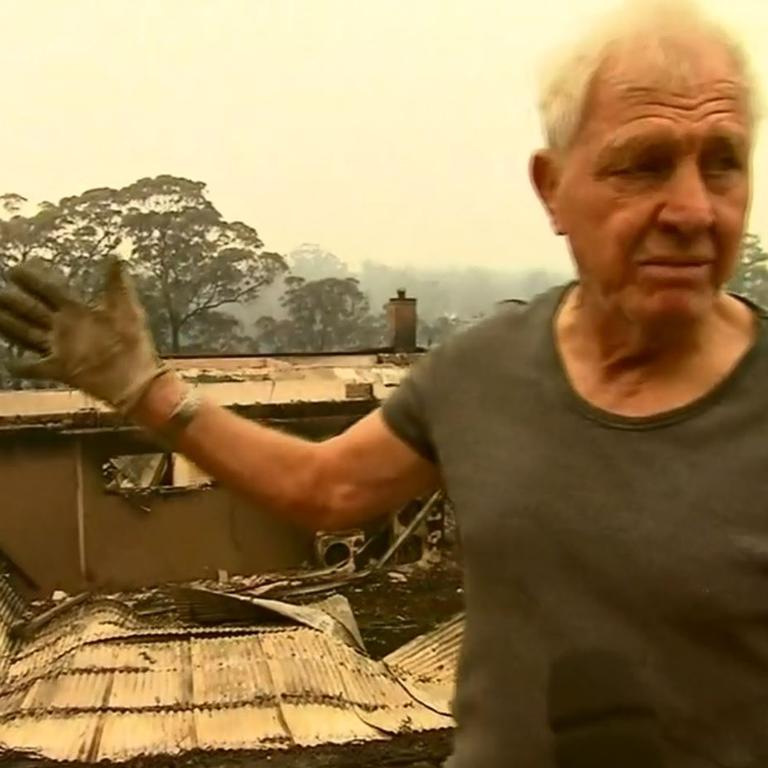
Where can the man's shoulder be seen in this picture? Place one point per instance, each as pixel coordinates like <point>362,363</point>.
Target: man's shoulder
<point>513,327</point>
<point>513,344</point>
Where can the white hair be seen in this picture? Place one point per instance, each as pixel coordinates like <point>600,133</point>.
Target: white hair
<point>653,29</point>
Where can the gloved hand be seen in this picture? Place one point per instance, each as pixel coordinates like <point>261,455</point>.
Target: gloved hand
<point>104,349</point>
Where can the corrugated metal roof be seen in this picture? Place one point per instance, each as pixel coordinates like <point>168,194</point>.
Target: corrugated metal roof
<point>10,610</point>
<point>427,665</point>
<point>100,683</point>
<point>236,382</point>
<point>432,656</point>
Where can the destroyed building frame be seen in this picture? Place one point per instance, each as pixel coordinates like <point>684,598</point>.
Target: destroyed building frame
<point>92,678</point>
<point>78,517</point>
<point>65,526</point>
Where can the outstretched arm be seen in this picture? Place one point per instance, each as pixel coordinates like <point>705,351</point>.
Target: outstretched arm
<point>340,483</point>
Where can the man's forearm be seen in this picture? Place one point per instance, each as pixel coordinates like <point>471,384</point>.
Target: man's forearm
<point>274,470</point>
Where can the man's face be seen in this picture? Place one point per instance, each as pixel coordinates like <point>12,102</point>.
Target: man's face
<point>654,192</point>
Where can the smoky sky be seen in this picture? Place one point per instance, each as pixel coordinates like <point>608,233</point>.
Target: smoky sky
<point>391,130</point>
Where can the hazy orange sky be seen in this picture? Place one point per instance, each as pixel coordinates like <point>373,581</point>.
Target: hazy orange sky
<point>396,130</point>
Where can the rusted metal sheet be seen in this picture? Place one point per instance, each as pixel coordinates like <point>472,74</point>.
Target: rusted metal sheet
<point>104,684</point>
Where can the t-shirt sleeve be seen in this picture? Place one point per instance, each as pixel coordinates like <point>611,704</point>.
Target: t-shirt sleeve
<point>406,410</point>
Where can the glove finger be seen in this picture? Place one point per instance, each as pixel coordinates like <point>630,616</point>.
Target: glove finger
<point>26,307</point>
<point>32,368</point>
<point>119,290</point>
<point>43,282</point>
<point>23,334</point>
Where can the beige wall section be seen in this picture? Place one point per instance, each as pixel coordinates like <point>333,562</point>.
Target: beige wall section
<point>187,533</point>
<point>38,524</point>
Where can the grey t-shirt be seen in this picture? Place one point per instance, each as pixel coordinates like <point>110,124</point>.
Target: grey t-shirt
<point>582,529</point>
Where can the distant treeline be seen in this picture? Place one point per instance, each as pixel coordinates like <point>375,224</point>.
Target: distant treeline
<point>210,286</point>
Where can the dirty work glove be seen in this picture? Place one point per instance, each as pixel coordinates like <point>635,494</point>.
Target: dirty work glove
<point>104,349</point>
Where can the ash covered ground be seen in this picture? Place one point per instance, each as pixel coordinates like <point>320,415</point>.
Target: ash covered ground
<point>393,608</point>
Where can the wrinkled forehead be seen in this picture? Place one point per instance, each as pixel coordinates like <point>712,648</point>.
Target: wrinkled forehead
<point>691,86</point>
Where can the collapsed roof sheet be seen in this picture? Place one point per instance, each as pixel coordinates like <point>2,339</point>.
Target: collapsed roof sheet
<point>427,665</point>
<point>101,683</point>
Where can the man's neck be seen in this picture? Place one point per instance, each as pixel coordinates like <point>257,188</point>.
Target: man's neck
<point>641,370</point>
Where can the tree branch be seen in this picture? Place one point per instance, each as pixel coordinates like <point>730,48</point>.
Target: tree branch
<point>216,303</point>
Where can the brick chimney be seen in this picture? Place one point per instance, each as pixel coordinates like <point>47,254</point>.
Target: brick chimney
<point>401,311</point>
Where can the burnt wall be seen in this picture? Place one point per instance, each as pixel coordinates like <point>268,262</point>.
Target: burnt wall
<point>63,529</point>
<point>179,534</point>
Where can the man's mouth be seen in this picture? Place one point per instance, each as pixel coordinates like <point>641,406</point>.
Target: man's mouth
<point>672,263</point>
<point>672,270</point>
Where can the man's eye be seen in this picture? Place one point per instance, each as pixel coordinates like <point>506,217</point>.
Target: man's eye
<point>722,163</point>
<point>646,166</point>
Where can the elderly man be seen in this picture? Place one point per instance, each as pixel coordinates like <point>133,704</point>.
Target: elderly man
<point>606,447</point>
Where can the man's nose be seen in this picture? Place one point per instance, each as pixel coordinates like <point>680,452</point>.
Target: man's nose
<point>687,209</point>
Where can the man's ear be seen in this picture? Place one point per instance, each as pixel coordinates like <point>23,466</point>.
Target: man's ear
<point>545,176</point>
